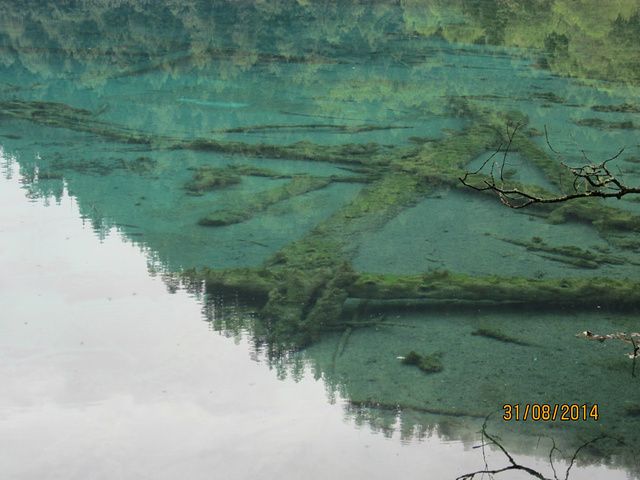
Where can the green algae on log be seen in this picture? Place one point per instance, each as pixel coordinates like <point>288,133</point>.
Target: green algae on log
<point>609,221</point>
<point>304,305</point>
<point>602,217</point>
<point>297,306</point>
<point>212,178</point>
<point>410,177</point>
<point>59,115</point>
<point>567,253</point>
<point>444,285</point>
<point>622,108</point>
<point>554,173</point>
<point>326,245</point>
<point>607,124</point>
<point>246,208</point>
<point>358,153</point>
<point>549,97</point>
<point>441,285</point>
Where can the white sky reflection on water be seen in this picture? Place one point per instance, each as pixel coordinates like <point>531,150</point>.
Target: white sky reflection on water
<point>104,375</point>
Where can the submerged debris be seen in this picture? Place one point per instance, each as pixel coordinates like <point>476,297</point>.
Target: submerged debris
<point>426,363</point>
<point>607,124</point>
<point>625,337</point>
<point>502,337</point>
<point>549,97</point>
<point>569,254</point>
<point>622,108</point>
<point>212,178</point>
<point>247,207</point>
<point>314,127</point>
<point>300,289</point>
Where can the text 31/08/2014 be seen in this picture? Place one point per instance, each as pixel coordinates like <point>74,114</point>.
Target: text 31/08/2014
<point>546,412</point>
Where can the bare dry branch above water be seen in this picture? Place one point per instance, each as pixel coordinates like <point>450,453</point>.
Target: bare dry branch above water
<point>590,180</point>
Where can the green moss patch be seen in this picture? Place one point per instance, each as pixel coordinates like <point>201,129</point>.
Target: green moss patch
<point>426,363</point>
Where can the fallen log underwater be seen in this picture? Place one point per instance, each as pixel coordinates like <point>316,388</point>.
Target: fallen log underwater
<point>301,289</point>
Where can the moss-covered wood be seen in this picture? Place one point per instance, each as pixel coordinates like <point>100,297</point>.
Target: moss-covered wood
<point>444,285</point>
<point>569,254</point>
<point>248,207</point>
<point>59,115</point>
<point>301,288</point>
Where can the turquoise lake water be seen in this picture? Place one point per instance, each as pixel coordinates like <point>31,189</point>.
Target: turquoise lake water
<point>227,224</point>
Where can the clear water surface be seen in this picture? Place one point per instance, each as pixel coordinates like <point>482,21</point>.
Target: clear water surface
<point>226,225</point>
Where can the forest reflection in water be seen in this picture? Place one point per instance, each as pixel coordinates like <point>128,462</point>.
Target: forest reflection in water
<point>299,164</point>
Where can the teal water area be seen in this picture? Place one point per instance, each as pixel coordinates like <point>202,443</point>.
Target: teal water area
<point>287,176</point>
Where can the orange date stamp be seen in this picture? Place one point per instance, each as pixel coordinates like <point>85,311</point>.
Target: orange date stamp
<point>545,412</point>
